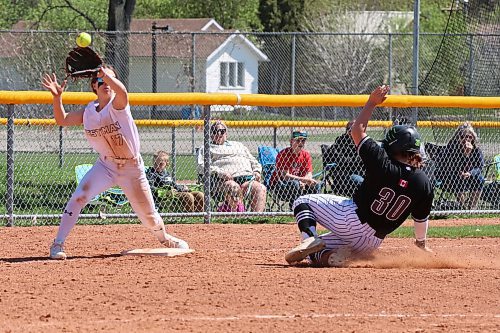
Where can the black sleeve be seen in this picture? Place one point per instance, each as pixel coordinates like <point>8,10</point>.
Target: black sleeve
<point>372,154</point>
<point>423,208</point>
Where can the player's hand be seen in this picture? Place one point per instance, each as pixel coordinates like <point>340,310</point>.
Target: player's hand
<point>226,176</point>
<point>50,83</point>
<point>466,174</point>
<point>103,71</point>
<point>422,245</point>
<point>257,176</point>
<point>378,95</point>
<point>310,181</point>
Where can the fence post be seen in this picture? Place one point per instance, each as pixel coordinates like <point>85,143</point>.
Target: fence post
<point>193,85</point>
<point>61,147</point>
<point>10,166</point>
<point>206,161</point>
<point>275,137</point>
<point>153,68</point>
<point>292,73</point>
<point>174,154</point>
<point>390,70</point>
<point>416,47</point>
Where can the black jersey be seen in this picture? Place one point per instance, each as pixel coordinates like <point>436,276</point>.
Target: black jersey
<point>391,190</point>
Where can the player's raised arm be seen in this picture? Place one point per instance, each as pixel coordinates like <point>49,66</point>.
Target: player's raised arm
<point>358,130</point>
<point>62,118</point>
<point>121,95</point>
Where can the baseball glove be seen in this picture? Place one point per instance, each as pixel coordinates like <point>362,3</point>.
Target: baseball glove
<point>82,62</point>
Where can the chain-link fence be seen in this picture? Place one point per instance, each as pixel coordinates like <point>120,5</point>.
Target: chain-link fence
<point>271,63</point>
<point>44,163</point>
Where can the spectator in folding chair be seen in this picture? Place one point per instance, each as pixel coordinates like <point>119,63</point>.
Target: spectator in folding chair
<point>349,171</point>
<point>460,167</point>
<point>159,178</point>
<point>232,162</point>
<point>293,175</point>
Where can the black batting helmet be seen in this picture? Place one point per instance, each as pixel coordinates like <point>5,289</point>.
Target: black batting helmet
<point>402,138</point>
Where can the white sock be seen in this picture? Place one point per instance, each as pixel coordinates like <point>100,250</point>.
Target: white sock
<point>159,231</point>
<point>68,220</point>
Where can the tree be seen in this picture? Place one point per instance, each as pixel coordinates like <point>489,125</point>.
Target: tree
<point>281,15</point>
<point>117,50</point>
<point>341,64</point>
<point>278,16</point>
<point>67,15</point>
<point>231,14</point>
<point>13,10</point>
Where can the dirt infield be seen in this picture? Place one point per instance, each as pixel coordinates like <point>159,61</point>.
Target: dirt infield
<point>238,281</point>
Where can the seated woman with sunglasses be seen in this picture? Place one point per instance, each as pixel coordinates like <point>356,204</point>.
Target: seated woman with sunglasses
<point>111,131</point>
<point>231,163</point>
<point>460,166</point>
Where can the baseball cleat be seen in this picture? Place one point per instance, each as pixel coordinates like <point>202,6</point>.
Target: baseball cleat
<point>173,242</point>
<point>57,251</point>
<point>300,252</point>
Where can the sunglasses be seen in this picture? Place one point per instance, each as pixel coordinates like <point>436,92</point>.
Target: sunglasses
<point>219,131</point>
<point>99,81</point>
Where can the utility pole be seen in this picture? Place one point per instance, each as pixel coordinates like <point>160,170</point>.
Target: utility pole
<point>154,88</point>
<point>416,36</point>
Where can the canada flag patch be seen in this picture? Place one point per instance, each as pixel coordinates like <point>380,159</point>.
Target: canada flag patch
<point>403,183</point>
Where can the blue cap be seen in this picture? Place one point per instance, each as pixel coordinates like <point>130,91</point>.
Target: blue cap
<point>299,135</point>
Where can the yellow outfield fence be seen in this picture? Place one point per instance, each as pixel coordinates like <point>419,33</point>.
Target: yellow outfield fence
<point>145,99</point>
<point>401,101</point>
<point>265,123</point>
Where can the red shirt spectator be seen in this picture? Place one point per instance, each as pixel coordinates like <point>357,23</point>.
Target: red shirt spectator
<point>288,162</point>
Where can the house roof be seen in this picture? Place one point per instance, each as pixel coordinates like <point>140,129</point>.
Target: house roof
<point>177,41</point>
<point>181,25</point>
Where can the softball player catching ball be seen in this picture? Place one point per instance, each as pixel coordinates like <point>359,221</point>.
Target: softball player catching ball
<point>111,131</point>
<point>394,188</point>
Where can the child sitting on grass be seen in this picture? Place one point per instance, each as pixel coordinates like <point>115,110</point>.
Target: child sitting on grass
<point>233,199</point>
<point>158,177</point>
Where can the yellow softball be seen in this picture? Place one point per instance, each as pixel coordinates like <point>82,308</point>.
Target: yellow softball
<point>83,39</point>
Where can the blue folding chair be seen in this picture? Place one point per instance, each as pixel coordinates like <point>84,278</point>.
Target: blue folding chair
<point>267,158</point>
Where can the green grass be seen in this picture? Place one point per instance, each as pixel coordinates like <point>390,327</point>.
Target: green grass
<point>464,231</point>
<point>42,187</point>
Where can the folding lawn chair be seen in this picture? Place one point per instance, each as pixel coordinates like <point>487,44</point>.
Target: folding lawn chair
<point>266,156</point>
<point>443,199</point>
<point>491,190</point>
